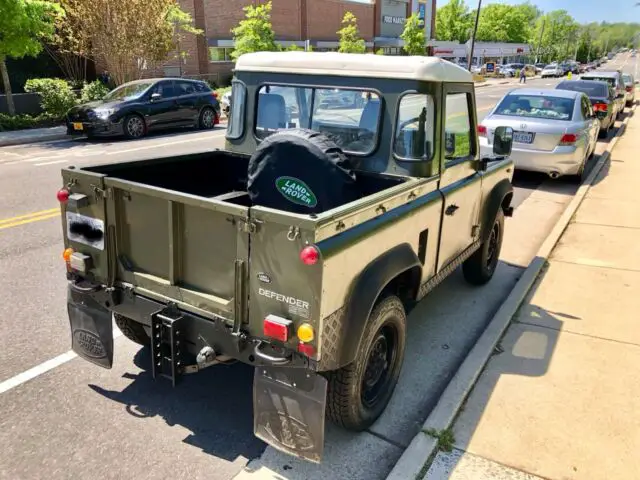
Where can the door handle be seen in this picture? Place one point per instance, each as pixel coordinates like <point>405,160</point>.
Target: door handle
<point>451,209</point>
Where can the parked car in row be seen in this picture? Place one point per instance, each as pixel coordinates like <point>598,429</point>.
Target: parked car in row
<point>552,70</point>
<point>135,108</point>
<point>630,87</point>
<point>555,131</point>
<point>602,98</point>
<point>613,78</point>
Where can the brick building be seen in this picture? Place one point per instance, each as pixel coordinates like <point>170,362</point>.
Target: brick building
<point>298,22</point>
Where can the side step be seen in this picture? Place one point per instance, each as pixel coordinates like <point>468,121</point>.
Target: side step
<point>165,346</point>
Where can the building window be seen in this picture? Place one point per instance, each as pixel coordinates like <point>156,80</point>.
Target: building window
<point>220,54</point>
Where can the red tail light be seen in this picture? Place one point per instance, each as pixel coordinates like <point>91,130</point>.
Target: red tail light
<point>63,195</point>
<point>629,88</point>
<point>309,255</point>
<point>277,328</point>
<point>600,107</point>
<point>568,139</point>
<point>306,349</point>
<point>215,95</point>
<point>482,130</point>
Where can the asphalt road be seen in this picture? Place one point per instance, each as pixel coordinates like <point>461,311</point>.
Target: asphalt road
<point>73,420</point>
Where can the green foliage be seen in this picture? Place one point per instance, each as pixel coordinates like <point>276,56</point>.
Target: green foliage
<point>349,35</point>
<point>24,24</point>
<point>445,438</point>
<point>221,91</point>
<point>454,22</point>
<point>293,48</point>
<point>380,51</point>
<point>21,122</point>
<point>93,91</point>
<point>504,23</point>
<point>413,36</point>
<point>56,96</point>
<point>255,32</point>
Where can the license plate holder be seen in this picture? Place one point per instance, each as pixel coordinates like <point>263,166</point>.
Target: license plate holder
<point>91,330</point>
<point>289,410</point>
<point>523,137</point>
<point>78,126</point>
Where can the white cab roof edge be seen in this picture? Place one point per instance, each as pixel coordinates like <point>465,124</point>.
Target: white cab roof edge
<point>427,69</point>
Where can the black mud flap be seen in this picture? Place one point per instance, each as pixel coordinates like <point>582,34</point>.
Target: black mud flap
<point>288,410</point>
<point>91,329</point>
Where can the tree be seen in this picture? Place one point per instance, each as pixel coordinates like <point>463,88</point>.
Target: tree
<point>559,30</point>
<point>24,24</point>
<point>255,32</point>
<point>413,36</point>
<point>503,23</point>
<point>130,36</point>
<point>69,47</point>
<point>349,35</point>
<point>454,22</point>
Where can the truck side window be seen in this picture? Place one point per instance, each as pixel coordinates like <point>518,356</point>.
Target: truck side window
<point>457,141</point>
<point>235,126</point>
<point>414,127</point>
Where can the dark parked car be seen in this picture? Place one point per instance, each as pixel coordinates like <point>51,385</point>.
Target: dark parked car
<point>613,78</point>
<point>135,108</point>
<point>602,97</point>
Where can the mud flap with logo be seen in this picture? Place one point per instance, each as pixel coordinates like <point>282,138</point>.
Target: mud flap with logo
<point>91,329</point>
<point>288,410</point>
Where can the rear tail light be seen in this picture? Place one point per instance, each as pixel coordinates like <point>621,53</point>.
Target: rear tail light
<point>306,349</point>
<point>63,195</point>
<point>309,255</point>
<point>568,139</point>
<point>629,89</point>
<point>66,255</point>
<point>600,107</point>
<point>215,95</point>
<point>482,130</point>
<point>277,328</point>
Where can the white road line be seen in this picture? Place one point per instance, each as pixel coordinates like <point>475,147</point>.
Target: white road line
<point>52,163</point>
<point>44,367</point>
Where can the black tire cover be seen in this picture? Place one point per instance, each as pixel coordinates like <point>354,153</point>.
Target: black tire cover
<point>300,171</point>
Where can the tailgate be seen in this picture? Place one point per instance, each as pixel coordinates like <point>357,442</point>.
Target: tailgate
<point>179,247</point>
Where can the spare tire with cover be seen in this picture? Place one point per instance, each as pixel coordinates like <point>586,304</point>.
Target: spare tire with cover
<point>300,171</point>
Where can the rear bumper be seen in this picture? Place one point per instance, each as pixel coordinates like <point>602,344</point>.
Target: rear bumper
<point>90,307</point>
<point>561,160</point>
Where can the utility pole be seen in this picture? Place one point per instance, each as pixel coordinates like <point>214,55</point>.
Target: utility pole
<point>544,23</point>
<point>473,38</point>
<point>575,56</point>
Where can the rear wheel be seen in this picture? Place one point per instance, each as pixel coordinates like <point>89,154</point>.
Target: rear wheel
<point>359,392</point>
<point>207,119</point>
<point>134,331</point>
<point>479,268</point>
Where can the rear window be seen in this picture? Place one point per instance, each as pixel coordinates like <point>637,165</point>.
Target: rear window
<point>610,80</point>
<point>591,89</point>
<point>536,106</point>
<point>627,79</point>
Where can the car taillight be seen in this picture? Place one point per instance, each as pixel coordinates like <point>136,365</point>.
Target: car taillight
<point>309,255</point>
<point>568,139</point>
<point>215,95</point>
<point>629,89</point>
<point>63,195</point>
<point>306,349</point>
<point>277,328</point>
<point>482,130</point>
<point>600,107</point>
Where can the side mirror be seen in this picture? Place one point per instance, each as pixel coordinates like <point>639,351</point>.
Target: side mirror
<point>155,96</point>
<point>503,141</point>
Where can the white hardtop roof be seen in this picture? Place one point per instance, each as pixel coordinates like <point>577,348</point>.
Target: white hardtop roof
<point>427,69</point>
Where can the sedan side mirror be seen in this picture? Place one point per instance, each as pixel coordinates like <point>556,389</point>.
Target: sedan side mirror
<point>155,96</point>
<point>503,141</point>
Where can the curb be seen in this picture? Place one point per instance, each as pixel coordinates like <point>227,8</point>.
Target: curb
<point>416,459</point>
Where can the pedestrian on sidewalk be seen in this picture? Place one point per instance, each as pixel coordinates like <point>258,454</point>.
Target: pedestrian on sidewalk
<point>523,76</point>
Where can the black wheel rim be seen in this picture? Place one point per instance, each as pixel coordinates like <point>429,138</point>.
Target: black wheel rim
<point>207,118</point>
<point>492,248</point>
<point>381,361</point>
<point>135,127</point>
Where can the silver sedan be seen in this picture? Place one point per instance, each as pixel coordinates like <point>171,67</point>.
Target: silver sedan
<point>555,131</point>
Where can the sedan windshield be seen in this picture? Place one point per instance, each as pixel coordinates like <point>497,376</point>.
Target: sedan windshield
<point>128,91</point>
<point>536,106</point>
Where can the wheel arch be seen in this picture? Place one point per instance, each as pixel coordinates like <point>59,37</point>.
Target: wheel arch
<point>501,196</point>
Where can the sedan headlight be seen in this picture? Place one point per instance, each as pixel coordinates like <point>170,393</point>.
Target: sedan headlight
<point>105,113</point>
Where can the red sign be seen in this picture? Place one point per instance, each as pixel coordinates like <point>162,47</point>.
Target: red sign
<point>439,50</point>
<point>520,50</point>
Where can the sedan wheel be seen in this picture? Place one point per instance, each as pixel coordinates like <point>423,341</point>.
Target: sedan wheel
<point>207,119</point>
<point>134,127</point>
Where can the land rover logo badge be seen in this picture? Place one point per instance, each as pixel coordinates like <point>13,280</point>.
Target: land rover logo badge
<point>264,278</point>
<point>296,191</point>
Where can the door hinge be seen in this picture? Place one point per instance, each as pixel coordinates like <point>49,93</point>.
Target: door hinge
<point>475,230</point>
<point>248,226</point>
<point>101,193</point>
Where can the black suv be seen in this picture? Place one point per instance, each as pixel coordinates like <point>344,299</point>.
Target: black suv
<point>135,108</point>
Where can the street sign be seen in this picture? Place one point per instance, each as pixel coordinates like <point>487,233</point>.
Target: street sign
<point>490,67</point>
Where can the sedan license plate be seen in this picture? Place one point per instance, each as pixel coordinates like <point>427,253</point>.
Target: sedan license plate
<point>523,137</point>
<point>77,125</point>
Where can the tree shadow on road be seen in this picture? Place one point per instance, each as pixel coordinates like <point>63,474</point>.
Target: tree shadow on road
<point>215,405</point>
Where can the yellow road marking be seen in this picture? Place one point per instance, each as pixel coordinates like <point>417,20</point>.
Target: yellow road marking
<point>29,218</point>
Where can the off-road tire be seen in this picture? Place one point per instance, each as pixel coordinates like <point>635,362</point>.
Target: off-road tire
<point>134,331</point>
<point>138,132</point>
<point>345,404</point>
<point>479,268</point>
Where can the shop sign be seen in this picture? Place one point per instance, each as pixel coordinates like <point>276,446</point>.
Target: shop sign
<point>393,20</point>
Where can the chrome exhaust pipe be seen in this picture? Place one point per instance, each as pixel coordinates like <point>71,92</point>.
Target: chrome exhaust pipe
<point>554,175</point>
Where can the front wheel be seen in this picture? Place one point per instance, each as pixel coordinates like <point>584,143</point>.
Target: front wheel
<point>479,268</point>
<point>134,126</point>
<point>359,392</point>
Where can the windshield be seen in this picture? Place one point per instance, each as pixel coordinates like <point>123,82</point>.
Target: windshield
<point>349,117</point>
<point>536,106</point>
<point>128,91</point>
<point>591,89</point>
<point>627,79</point>
<point>610,80</point>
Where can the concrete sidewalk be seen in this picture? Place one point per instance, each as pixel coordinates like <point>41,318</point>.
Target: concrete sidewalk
<point>33,135</point>
<point>560,398</point>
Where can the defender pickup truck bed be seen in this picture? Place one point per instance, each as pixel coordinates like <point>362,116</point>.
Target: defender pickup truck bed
<point>189,266</point>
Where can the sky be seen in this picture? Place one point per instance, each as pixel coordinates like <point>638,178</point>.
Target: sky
<point>583,11</point>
